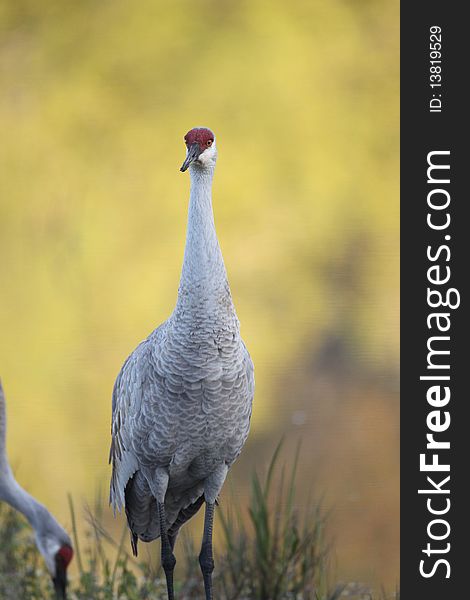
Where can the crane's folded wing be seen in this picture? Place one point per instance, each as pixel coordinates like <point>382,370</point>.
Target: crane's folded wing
<point>127,398</point>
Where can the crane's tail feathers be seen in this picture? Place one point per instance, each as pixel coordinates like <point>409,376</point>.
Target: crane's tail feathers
<point>134,540</point>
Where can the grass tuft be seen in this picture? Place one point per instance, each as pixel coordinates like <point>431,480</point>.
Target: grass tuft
<point>277,551</point>
<point>281,553</point>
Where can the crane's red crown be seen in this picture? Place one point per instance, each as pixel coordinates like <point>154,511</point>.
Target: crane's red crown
<point>66,554</point>
<point>199,135</point>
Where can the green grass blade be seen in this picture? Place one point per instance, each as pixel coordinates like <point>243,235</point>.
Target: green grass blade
<point>75,536</point>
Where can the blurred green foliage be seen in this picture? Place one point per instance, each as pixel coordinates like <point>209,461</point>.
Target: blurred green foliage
<point>96,97</point>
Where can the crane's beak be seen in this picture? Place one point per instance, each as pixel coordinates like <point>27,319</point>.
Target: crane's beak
<point>193,154</point>
<point>60,584</point>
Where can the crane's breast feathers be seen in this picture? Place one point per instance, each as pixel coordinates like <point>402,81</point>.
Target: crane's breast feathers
<point>175,415</point>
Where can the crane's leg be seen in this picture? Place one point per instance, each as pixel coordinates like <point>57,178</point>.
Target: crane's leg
<point>206,559</point>
<point>172,540</point>
<point>168,558</point>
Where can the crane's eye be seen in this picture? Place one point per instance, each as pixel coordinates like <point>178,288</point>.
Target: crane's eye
<point>209,142</point>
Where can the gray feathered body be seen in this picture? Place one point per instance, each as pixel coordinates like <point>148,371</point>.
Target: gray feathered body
<point>182,401</point>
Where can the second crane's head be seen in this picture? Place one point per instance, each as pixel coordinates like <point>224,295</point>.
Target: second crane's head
<point>56,548</point>
<point>200,149</point>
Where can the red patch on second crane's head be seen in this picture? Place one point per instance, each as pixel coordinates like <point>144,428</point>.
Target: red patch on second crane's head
<point>66,554</point>
<point>200,135</point>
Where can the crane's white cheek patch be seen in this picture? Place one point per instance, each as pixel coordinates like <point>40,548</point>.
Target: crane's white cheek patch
<point>208,156</point>
<point>48,548</point>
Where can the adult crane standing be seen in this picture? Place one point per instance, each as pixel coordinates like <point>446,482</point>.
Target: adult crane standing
<point>182,401</point>
<point>51,539</point>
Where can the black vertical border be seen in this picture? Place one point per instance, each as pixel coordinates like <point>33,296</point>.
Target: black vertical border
<point>422,132</point>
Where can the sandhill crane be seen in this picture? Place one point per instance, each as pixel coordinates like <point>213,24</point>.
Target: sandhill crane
<point>182,401</point>
<point>51,539</point>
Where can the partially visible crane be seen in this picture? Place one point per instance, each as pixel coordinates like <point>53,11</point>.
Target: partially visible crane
<point>182,401</point>
<point>51,539</point>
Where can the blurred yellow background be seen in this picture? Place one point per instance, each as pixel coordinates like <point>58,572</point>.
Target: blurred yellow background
<point>303,97</point>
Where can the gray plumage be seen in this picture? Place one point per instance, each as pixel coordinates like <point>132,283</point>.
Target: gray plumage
<point>182,401</point>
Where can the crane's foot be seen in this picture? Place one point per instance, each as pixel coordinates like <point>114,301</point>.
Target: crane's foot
<point>206,559</point>
<point>168,558</point>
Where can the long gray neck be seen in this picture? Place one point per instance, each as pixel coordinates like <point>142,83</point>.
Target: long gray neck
<point>12,493</point>
<point>203,286</point>
<point>10,490</point>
